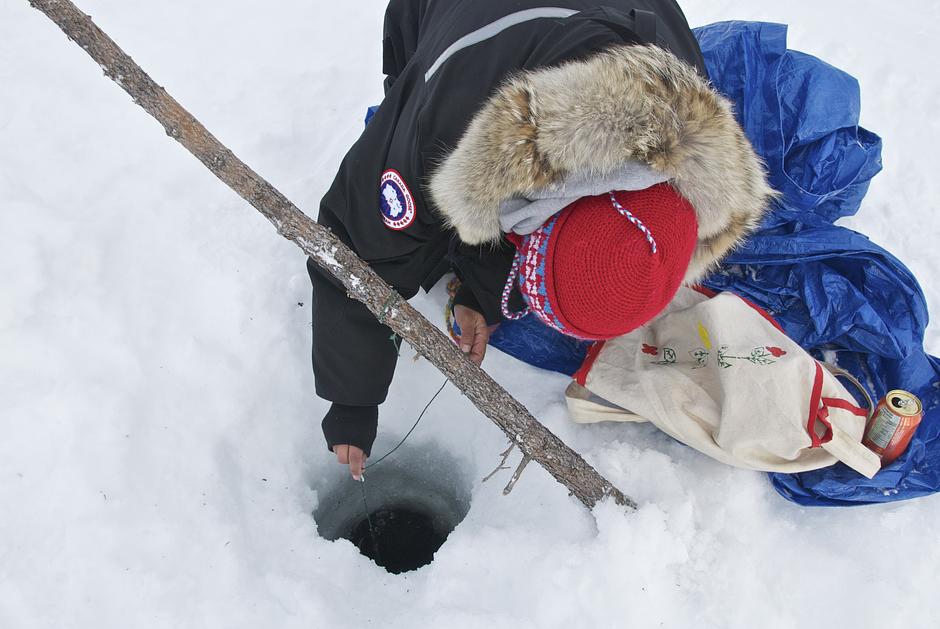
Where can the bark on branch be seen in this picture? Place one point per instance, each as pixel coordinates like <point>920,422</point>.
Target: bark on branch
<point>535,441</point>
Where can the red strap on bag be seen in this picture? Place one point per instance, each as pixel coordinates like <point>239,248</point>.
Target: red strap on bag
<point>845,405</point>
<point>822,416</point>
<point>580,376</point>
<point>819,411</point>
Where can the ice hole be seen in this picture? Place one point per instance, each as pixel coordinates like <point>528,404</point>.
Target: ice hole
<point>415,499</point>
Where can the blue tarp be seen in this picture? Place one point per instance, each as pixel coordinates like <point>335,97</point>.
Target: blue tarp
<point>834,291</point>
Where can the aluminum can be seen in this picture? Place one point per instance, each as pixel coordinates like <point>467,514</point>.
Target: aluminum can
<point>891,427</point>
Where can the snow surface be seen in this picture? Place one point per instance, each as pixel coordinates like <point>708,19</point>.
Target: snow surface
<point>160,438</point>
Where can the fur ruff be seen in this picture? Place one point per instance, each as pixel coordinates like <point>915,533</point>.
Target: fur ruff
<point>638,103</point>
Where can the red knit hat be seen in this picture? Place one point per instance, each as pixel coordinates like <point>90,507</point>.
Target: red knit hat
<point>606,265</point>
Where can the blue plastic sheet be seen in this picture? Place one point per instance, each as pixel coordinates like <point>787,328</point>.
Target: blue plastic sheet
<point>531,341</point>
<point>834,291</point>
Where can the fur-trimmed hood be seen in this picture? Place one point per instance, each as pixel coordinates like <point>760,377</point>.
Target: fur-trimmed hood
<point>590,117</point>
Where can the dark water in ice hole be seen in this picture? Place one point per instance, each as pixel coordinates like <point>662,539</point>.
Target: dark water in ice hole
<point>415,501</point>
<point>404,539</point>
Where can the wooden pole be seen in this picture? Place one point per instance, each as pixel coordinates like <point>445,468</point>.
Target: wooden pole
<point>534,440</point>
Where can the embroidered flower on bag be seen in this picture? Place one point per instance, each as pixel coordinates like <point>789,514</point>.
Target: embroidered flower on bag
<point>758,356</point>
<point>669,357</point>
<point>763,356</point>
<point>701,357</point>
<point>723,357</point>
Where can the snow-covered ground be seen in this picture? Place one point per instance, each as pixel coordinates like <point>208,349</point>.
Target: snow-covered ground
<point>160,449</point>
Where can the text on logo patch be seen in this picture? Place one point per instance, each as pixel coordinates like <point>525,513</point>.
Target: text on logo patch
<point>397,204</point>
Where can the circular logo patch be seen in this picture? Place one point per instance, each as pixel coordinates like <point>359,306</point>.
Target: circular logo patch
<point>398,206</point>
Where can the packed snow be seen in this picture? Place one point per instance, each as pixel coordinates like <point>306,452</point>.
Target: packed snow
<point>160,448</point>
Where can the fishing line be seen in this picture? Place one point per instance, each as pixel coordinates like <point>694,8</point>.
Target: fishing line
<point>402,442</point>
<point>362,477</point>
<point>375,542</point>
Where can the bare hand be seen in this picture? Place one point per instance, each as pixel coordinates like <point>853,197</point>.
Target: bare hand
<point>474,333</point>
<point>352,456</point>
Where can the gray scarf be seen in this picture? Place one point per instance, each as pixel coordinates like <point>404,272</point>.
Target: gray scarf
<point>525,215</point>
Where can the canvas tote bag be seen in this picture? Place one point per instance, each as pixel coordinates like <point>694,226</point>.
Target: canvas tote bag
<point>719,375</point>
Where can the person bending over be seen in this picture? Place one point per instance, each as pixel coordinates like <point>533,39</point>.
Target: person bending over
<point>571,161</point>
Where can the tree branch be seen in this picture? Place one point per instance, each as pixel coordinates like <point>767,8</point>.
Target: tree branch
<point>502,464</point>
<point>535,441</point>
<point>516,476</point>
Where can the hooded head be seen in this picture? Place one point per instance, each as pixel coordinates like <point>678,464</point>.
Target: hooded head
<point>605,264</point>
<point>590,118</point>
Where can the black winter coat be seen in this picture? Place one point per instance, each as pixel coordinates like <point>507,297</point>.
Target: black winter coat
<point>442,60</point>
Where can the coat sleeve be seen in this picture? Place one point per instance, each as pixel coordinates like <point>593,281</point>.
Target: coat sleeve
<point>354,356</point>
